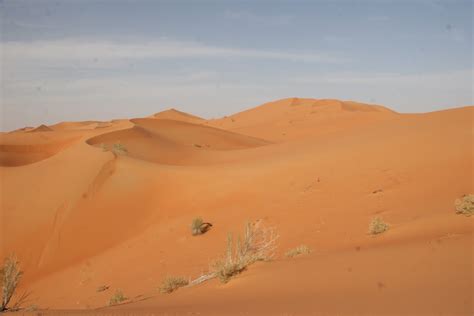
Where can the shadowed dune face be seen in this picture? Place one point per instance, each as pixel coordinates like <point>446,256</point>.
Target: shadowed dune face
<point>174,142</point>
<point>18,149</point>
<point>85,218</point>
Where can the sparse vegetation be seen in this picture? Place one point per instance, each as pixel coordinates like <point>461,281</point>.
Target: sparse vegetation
<point>199,227</point>
<point>257,243</point>
<point>117,298</point>
<point>171,284</point>
<point>377,226</point>
<point>300,250</point>
<point>31,308</point>
<point>119,149</point>
<point>102,288</point>
<point>465,205</point>
<point>10,275</point>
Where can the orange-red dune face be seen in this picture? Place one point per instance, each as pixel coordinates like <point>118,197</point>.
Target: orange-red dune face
<point>83,217</point>
<point>176,115</point>
<point>175,142</point>
<point>295,118</point>
<point>17,149</point>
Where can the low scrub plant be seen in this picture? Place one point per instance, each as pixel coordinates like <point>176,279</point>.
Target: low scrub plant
<point>10,276</point>
<point>172,283</point>
<point>256,244</point>
<point>117,298</point>
<point>300,250</point>
<point>199,227</point>
<point>465,205</point>
<point>119,149</point>
<point>377,226</point>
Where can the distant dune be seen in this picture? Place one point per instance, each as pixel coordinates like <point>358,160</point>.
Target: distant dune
<point>296,118</point>
<point>176,115</point>
<point>88,205</point>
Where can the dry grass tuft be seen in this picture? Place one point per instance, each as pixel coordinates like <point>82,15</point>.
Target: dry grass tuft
<point>102,288</point>
<point>171,284</point>
<point>10,277</point>
<point>199,227</point>
<point>119,149</point>
<point>300,250</point>
<point>257,243</point>
<point>377,226</point>
<point>465,205</point>
<point>117,298</point>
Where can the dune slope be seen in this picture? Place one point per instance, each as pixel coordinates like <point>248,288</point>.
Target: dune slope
<point>297,118</point>
<point>95,218</point>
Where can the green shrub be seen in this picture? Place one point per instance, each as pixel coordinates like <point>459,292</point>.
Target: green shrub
<point>465,205</point>
<point>171,284</point>
<point>117,298</point>
<point>10,276</point>
<point>300,250</point>
<point>377,226</point>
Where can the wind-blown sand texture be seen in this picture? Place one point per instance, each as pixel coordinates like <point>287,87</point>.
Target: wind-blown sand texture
<point>79,216</point>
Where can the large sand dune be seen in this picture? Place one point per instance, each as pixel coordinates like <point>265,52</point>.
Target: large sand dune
<point>80,216</point>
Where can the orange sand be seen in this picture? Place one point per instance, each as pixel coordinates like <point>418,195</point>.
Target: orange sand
<point>79,217</point>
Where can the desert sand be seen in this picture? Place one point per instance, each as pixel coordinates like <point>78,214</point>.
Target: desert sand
<point>79,216</point>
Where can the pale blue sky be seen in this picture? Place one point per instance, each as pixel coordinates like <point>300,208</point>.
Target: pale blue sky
<point>104,59</point>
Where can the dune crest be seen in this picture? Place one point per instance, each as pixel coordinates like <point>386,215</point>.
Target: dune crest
<point>174,142</point>
<point>173,114</point>
<point>298,118</point>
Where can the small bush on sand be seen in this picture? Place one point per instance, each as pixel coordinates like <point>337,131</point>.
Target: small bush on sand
<point>300,250</point>
<point>117,298</point>
<point>119,149</point>
<point>199,227</point>
<point>257,243</point>
<point>116,148</point>
<point>171,284</point>
<point>10,275</point>
<point>465,205</point>
<point>377,226</point>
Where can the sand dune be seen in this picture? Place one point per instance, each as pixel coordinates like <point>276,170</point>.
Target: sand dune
<point>41,128</point>
<point>17,149</point>
<point>175,115</point>
<point>295,118</point>
<point>174,142</point>
<point>316,170</point>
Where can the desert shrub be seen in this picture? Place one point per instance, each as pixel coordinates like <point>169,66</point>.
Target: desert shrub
<point>257,243</point>
<point>377,226</point>
<point>10,277</point>
<point>172,283</point>
<point>300,250</point>
<point>119,149</point>
<point>199,227</point>
<point>117,298</point>
<point>102,288</point>
<point>116,148</point>
<point>465,205</point>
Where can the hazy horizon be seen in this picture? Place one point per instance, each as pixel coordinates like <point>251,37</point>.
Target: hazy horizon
<point>101,60</point>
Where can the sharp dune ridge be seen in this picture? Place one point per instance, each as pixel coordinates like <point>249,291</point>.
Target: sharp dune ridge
<point>88,205</point>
